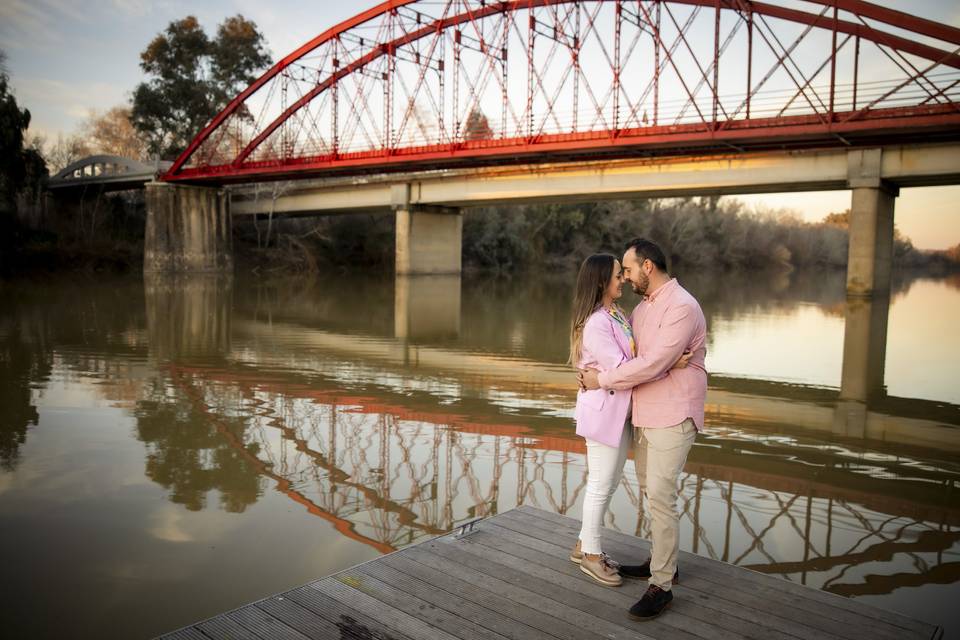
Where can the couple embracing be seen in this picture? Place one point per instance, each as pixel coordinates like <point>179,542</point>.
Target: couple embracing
<point>642,385</point>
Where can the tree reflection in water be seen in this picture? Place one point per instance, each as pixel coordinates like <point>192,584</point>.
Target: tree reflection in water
<point>22,366</point>
<point>190,456</point>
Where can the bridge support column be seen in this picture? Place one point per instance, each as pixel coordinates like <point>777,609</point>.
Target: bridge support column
<point>428,240</point>
<point>188,229</point>
<point>869,263</point>
<point>870,253</point>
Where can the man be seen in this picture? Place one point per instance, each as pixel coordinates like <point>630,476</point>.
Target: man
<point>667,406</point>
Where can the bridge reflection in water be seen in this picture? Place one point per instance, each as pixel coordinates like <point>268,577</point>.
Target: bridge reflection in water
<point>392,439</point>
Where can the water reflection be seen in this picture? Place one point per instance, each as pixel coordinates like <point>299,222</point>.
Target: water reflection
<point>188,315</point>
<point>392,472</point>
<point>864,349</point>
<point>427,307</point>
<point>362,416</point>
<point>188,454</point>
<point>20,365</point>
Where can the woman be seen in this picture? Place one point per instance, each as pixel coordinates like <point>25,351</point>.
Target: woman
<point>601,338</point>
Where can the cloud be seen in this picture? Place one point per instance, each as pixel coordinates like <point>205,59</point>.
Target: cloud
<point>56,105</point>
<point>136,8</point>
<point>168,524</point>
<point>44,23</point>
<point>26,25</point>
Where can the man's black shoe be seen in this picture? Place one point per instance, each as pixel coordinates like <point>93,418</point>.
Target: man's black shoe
<point>643,571</point>
<point>652,604</point>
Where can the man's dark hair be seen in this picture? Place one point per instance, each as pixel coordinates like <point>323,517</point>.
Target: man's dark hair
<point>647,250</point>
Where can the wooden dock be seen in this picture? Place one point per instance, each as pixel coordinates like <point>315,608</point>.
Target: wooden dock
<point>511,578</point>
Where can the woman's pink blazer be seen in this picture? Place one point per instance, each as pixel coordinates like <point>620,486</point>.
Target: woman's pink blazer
<point>600,414</point>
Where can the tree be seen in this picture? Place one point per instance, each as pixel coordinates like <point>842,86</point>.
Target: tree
<point>20,168</point>
<point>477,127</point>
<point>902,245</point>
<point>65,151</point>
<point>192,78</point>
<point>838,219</point>
<point>112,132</point>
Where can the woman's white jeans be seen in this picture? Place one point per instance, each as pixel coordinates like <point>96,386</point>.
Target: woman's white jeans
<point>604,470</point>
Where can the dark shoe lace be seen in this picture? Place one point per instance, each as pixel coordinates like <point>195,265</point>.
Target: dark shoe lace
<point>609,562</point>
<point>652,592</point>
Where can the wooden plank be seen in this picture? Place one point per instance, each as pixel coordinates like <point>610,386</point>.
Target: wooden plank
<point>299,618</point>
<point>707,580</point>
<point>464,602</point>
<point>606,602</point>
<point>564,604</point>
<point>223,628</point>
<point>264,625</point>
<point>698,609</point>
<point>390,617</point>
<point>553,556</point>
<point>707,609</point>
<point>491,598</point>
<point>778,615</point>
<point>401,597</point>
<point>556,522</point>
<point>188,633</point>
<point>512,580</point>
<point>351,623</point>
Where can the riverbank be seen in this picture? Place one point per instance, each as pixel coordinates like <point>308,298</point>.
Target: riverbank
<point>696,233</point>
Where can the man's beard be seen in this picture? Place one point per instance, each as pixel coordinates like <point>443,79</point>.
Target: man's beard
<point>640,288</point>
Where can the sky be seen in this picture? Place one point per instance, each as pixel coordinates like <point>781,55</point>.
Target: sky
<point>66,58</point>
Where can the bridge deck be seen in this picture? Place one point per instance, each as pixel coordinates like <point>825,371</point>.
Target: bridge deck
<point>510,578</point>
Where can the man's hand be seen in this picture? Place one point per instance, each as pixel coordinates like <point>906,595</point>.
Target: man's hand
<point>589,379</point>
<point>683,361</point>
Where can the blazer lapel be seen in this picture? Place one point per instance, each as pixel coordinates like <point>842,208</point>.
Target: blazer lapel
<point>622,338</point>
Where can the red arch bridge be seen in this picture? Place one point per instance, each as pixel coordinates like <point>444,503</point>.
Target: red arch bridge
<point>424,107</point>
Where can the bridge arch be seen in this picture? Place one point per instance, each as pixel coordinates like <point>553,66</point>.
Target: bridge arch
<point>410,83</point>
<point>104,166</point>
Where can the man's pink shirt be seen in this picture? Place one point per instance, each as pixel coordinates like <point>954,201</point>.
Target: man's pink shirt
<point>665,324</point>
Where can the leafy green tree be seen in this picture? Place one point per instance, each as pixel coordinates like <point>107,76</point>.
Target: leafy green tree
<point>192,78</point>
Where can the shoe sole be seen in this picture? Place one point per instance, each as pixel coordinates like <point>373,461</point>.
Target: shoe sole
<point>599,579</point>
<point>645,618</point>
<point>629,577</point>
<point>575,559</point>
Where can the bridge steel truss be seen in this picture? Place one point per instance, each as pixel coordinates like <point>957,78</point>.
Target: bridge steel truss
<point>421,85</point>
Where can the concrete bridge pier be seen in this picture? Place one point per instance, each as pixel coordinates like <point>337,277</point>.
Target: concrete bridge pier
<point>428,240</point>
<point>869,262</point>
<point>188,229</point>
<point>870,254</point>
<point>428,237</point>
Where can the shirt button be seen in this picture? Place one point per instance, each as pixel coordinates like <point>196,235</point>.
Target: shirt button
<point>611,391</point>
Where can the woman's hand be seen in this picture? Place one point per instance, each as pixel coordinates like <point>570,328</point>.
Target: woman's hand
<point>682,362</point>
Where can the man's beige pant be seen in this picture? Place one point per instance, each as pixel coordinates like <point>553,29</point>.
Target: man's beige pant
<point>659,455</point>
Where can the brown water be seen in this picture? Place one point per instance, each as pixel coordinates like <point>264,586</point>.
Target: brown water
<point>172,450</point>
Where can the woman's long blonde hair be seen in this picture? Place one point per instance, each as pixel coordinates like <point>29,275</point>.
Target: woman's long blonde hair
<point>592,280</point>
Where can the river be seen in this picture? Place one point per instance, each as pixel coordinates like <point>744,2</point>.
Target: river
<point>170,449</point>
